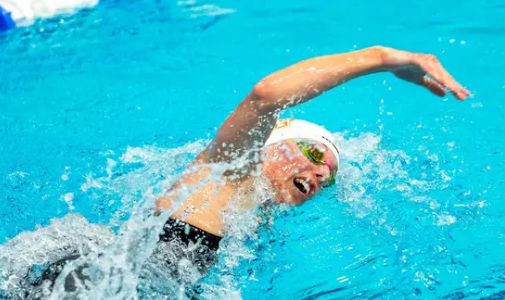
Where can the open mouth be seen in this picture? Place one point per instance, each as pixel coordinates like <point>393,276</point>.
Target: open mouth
<point>303,184</point>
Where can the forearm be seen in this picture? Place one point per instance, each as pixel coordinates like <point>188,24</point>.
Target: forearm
<point>307,79</point>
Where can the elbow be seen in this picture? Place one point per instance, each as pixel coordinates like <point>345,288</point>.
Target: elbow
<point>263,95</point>
<point>262,89</point>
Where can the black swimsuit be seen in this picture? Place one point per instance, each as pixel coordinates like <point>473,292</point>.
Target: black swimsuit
<point>173,231</point>
<point>176,229</point>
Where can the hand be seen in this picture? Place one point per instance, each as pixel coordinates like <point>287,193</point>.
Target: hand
<point>424,70</point>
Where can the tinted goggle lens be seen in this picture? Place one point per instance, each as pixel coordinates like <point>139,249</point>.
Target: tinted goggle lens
<point>316,156</point>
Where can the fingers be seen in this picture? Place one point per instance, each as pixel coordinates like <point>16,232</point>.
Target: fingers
<point>425,81</point>
<point>425,70</point>
<point>434,87</point>
<point>431,65</point>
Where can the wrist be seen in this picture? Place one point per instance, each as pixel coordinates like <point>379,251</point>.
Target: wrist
<point>380,56</point>
<point>391,59</point>
<point>374,57</point>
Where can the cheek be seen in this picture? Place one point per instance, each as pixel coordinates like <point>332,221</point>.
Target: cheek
<point>284,164</point>
<point>280,172</point>
<point>289,164</point>
<point>288,169</point>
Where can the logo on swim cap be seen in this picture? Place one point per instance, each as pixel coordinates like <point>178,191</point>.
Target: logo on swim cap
<point>286,129</point>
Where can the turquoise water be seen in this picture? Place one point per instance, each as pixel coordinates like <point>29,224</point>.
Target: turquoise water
<point>98,108</point>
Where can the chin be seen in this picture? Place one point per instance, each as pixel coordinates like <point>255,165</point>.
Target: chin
<point>286,197</point>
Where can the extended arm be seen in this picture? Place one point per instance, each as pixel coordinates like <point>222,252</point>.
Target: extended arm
<point>252,121</point>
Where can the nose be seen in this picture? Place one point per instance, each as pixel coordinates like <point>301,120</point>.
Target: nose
<point>322,173</point>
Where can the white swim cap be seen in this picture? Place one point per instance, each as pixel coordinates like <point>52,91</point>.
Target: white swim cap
<point>299,129</point>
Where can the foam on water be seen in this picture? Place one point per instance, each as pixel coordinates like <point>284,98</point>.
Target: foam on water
<point>25,11</point>
<point>21,256</point>
<point>197,10</point>
<point>371,181</point>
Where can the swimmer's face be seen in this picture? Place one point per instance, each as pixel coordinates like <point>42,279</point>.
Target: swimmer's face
<point>294,176</point>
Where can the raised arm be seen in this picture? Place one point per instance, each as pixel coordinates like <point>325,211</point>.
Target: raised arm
<point>251,123</point>
<point>253,120</point>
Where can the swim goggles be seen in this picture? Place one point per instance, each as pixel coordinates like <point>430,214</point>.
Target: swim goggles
<point>315,155</point>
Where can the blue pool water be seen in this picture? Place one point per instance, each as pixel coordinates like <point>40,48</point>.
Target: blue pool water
<point>97,109</point>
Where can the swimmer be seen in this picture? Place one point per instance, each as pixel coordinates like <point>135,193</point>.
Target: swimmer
<point>296,157</point>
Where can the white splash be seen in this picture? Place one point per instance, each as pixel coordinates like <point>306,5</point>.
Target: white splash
<point>68,235</point>
<point>68,198</point>
<point>141,174</point>
<point>445,220</point>
<point>197,10</point>
<point>24,12</point>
